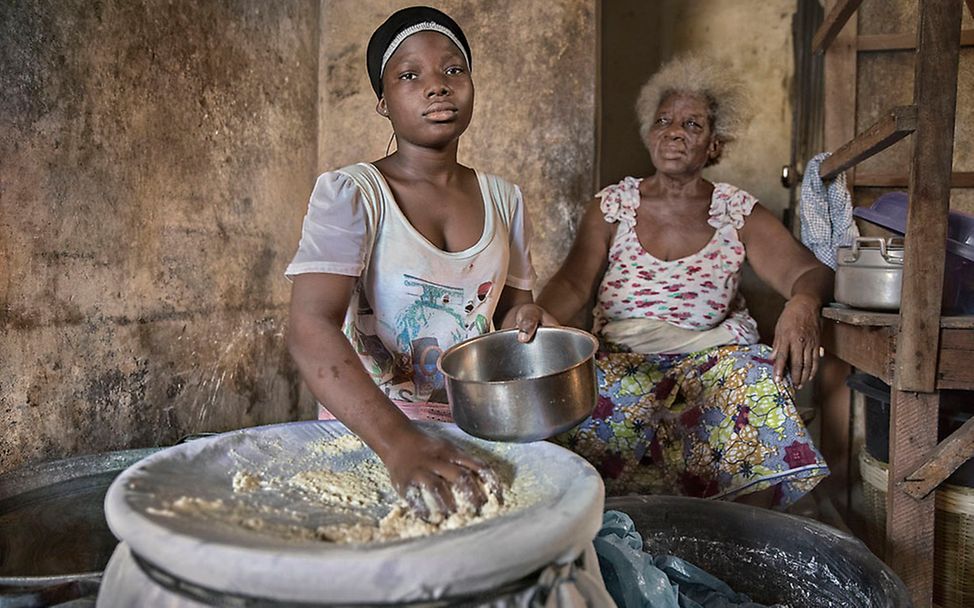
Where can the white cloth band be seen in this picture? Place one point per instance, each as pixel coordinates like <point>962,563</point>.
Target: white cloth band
<point>414,29</point>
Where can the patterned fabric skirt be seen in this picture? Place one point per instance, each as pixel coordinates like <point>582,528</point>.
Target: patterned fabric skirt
<point>707,424</point>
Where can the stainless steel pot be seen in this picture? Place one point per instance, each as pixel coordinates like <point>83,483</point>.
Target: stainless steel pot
<point>502,390</point>
<point>869,274</point>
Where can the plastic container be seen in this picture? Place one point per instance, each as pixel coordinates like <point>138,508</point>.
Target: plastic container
<point>956,408</point>
<point>890,210</point>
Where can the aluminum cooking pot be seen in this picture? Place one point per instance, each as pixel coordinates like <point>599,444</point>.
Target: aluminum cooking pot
<point>504,390</point>
<point>869,274</point>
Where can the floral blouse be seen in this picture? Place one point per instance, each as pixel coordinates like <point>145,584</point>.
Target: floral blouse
<point>696,292</point>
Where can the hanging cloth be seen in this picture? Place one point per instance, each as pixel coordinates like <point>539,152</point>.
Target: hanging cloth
<point>826,213</point>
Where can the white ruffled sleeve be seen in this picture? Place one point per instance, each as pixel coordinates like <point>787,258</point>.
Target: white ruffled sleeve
<point>730,206</point>
<point>620,201</point>
<point>520,270</point>
<point>335,235</point>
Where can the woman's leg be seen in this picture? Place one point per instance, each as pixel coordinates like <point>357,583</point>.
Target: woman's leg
<point>748,436</point>
<point>623,438</point>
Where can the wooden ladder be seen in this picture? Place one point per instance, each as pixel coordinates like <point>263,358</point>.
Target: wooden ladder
<point>917,351</point>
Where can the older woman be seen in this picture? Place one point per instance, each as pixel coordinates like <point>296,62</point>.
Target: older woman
<point>690,403</point>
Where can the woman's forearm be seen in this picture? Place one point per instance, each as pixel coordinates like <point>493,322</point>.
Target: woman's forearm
<point>334,374</point>
<point>816,284</point>
<point>562,298</point>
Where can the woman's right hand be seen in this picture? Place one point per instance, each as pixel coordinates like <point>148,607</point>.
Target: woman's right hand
<point>429,473</point>
<point>527,318</point>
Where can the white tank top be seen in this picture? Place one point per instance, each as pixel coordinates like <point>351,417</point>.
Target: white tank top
<point>412,300</point>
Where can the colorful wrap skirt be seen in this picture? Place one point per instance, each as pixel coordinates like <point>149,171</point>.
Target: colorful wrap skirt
<point>712,424</point>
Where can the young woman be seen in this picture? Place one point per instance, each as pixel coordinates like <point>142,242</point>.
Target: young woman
<point>402,258</point>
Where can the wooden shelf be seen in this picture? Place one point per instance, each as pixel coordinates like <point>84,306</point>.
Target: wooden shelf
<point>900,122</point>
<point>916,351</point>
<point>858,316</point>
<point>867,340</point>
<point>833,24</point>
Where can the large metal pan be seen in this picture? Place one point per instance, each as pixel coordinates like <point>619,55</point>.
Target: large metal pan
<point>504,390</point>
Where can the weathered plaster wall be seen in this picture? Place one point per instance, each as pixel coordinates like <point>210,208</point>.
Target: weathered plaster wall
<point>534,69</point>
<point>154,162</point>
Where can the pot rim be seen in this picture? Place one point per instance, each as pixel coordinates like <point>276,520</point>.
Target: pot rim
<point>461,345</point>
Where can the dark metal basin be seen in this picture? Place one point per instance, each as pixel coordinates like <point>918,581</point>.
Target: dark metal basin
<point>773,557</point>
<point>52,522</point>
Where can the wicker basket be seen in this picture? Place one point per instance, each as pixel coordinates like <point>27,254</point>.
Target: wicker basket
<point>953,575</point>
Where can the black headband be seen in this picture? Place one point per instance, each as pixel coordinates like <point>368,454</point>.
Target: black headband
<point>404,23</point>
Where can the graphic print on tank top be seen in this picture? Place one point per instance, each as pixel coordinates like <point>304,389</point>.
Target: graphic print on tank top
<point>436,312</point>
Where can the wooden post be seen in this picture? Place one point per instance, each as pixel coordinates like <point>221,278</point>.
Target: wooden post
<point>840,87</point>
<point>913,424</point>
<point>830,392</point>
<point>935,95</point>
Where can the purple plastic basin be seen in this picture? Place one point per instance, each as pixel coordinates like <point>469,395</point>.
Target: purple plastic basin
<point>889,211</point>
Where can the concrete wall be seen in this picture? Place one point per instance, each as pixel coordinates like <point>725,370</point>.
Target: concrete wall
<point>155,159</point>
<point>155,163</point>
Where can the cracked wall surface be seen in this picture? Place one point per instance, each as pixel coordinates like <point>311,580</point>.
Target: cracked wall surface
<point>150,158</point>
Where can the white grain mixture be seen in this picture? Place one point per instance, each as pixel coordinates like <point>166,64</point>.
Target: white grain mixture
<point>358,492</point>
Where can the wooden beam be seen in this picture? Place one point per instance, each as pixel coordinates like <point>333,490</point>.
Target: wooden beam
<point>913,419</point>
<point>946,458</point>
<point>870,349</point>
<point>839,95</point>
<point>833,24</point>
<point>831,393</point>
<point>875,179</point>
<point>909,522</point>
<point>901,42</point>
<point>896,125</point>
<point>935,97</point>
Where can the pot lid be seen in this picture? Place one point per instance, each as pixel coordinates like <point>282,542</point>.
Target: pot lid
<point>889,211</point>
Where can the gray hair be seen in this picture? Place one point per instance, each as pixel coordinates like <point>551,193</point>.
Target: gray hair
<point>707,78</point>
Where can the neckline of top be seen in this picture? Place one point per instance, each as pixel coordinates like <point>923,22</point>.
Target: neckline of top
<point>718,187</point>
<point>473,249</point>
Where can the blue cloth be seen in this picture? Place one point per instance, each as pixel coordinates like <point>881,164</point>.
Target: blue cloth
<point>826,213</point>
<point>635,579</point>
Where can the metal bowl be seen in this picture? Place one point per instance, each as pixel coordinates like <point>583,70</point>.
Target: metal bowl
<point>504,390</point>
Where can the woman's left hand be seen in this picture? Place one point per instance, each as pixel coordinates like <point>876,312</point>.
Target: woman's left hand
<point>796,340</point>
<point>527,318</point>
